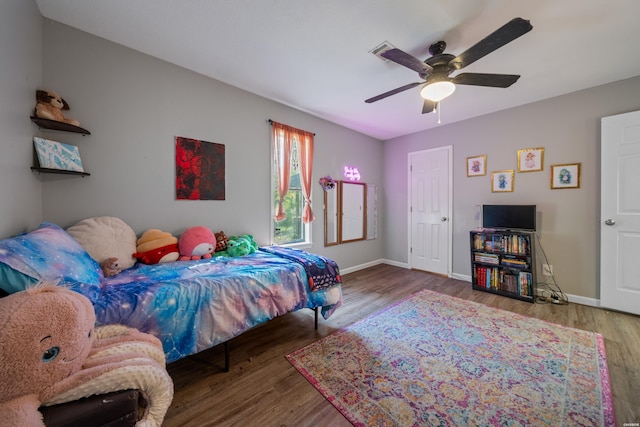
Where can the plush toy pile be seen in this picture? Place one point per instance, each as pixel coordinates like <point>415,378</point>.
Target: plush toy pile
<point>52,354</point>
<point>115,246</point>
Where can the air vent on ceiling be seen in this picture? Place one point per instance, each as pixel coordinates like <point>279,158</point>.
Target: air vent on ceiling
<point>382,47</point>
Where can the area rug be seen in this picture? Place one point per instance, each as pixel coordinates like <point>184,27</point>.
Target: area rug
<point>437,360</point>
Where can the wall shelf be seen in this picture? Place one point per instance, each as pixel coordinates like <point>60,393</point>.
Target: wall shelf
<point>59,171</point>
<point>56,125</point>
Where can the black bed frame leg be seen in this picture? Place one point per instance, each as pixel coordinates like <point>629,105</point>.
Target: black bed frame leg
<point>315,310</point>
<point>226,356</point>
<point>226,343</point>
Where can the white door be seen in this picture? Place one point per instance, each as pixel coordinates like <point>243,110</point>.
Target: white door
<point>430,210</point>
<point>620,213</point>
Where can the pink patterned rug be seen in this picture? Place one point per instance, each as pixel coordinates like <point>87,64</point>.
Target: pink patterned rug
<point>437,360</point>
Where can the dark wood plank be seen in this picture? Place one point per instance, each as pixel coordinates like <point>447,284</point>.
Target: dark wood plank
<point>263,389</point>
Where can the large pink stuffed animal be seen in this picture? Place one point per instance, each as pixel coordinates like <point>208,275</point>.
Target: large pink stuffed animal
<point>51,353</point>
<point>196,243</point>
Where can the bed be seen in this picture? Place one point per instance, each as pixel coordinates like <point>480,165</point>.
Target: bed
<point>195,305</point>
<point>189,305</point>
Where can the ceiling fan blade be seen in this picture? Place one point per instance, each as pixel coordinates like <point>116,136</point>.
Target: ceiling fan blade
<point>503,35</point>
<point>406,60</point>
<point>428,106</point>
<point>482,79</point>
<point>392,92</point>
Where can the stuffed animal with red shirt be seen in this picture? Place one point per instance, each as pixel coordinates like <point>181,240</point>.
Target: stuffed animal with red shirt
<point>156,246</point>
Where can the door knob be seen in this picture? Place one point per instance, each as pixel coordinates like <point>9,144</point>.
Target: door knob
<point>610,222</point>
<point>444,218</point>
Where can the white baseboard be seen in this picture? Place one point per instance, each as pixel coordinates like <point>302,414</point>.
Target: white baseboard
<point>360,267</point>
<point>396,263</point>
<point>373,263</point>
<point>577,299</point>
<point>583,300</point>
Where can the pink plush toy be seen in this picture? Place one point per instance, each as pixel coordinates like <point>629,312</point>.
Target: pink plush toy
<point>197,243</point>
<point>51,353</point>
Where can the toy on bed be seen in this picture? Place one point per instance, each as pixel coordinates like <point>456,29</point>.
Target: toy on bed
<point>110,267</point>
<point>109,241</point>
<point>49,105</point>
<point>221,241</point>
<point>52,354</point>
<point>241,245</point>
<point>156,246</point>
<point>197,242</point>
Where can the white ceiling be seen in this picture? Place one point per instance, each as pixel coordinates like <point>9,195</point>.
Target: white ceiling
<point>313,55</point>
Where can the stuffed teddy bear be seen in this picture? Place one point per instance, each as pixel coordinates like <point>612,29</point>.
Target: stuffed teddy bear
<point>221,241</point>
<point>53,354</point>
<point>155,246</point>
<point>241,245</point>
<point>110,267</point>
<point>196,243</point>
<point>49,105</point>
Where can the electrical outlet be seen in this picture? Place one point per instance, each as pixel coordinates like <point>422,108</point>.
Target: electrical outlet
<point>547,270</point>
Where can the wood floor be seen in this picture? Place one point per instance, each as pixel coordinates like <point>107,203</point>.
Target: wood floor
<point>263,389</point>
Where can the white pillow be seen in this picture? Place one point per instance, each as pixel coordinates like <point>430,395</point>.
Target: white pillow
<point>105,237</point>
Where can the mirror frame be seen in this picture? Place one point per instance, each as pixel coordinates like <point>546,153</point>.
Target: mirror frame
<point>335,214</point>
<point>339,212</point>
<point>363,209</point>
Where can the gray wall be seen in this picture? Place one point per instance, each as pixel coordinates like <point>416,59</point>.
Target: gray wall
<point>20,73</point>
<point>134,105</point>
<point>568,127</point>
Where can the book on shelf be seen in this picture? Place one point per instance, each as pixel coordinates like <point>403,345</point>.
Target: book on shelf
<point>509,262</point>
<point>486,258</point>
<point>524,283</point>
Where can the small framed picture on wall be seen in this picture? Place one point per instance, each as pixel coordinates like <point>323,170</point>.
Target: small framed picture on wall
<point>477,165</point>
<point>502,181</point>
<point>531,159</point>
<point>565,176</point>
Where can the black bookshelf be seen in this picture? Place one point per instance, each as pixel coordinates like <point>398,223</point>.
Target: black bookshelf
<point>503,263</point>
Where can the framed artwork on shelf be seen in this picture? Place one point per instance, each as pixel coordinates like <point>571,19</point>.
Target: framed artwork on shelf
<point>531,159</point>
<point>56,155</point>
<point>502,181</point>
<point>477,165</point>
<point>565,176</point>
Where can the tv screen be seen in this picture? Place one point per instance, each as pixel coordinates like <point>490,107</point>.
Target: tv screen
<point>510,217</point>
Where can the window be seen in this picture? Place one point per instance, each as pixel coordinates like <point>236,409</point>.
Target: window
<point>292,168</point>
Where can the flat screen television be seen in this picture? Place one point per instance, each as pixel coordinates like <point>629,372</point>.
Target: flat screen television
<point>509,217</point>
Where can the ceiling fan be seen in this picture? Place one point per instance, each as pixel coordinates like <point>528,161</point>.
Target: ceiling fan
<point>435,70</point>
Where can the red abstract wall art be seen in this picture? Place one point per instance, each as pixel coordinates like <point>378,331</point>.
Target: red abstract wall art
<point>199,170</point>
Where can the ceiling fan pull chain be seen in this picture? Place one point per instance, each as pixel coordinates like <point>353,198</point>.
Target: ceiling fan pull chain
<point>438,110</point>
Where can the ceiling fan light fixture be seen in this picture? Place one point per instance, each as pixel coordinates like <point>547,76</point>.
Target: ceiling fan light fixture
<point>437,91</point>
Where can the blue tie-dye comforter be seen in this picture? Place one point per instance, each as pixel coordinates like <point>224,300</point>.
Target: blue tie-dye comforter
<point>195,305</point>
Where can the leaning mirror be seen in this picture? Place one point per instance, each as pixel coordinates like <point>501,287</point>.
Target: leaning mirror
<point>331,217</point>
<point>353,213</point>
